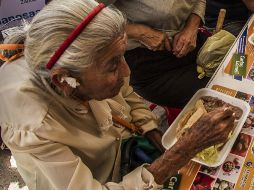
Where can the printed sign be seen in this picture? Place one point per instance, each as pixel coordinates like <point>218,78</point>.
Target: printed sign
<point>18,10</point>
<point>239,65</point>
<point>172,183</point>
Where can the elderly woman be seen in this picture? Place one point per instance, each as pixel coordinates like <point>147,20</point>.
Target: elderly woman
<point>162,48</point>
<point>59,104</point>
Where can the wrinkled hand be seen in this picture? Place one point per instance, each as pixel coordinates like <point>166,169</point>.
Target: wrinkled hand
<point>154,137</point>
<point>184,42</point>
<point>155,40</point>
<point>211,129</point>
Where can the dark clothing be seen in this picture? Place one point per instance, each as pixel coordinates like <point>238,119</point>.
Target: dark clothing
<point>236,16</point>
<point>162,78</point>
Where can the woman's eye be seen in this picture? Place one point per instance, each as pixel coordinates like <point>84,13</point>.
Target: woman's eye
<point>114,63</point>
<point>113,70</point>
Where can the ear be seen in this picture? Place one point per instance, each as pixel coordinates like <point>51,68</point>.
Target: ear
<point>56,76</point>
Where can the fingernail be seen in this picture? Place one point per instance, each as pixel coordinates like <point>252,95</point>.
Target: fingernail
<point>225,109</point>
<point>233,114</point>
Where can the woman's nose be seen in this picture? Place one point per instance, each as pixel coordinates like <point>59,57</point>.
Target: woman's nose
<point>124,68</point>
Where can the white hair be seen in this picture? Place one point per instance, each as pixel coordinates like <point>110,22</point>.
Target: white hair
<point>51,26</point>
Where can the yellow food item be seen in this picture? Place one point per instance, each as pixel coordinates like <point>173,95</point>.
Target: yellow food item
<point>210,154</point>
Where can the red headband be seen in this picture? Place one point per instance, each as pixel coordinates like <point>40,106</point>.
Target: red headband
<point>73,35</point>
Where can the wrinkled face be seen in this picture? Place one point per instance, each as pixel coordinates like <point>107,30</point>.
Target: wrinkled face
<point>104,78</point>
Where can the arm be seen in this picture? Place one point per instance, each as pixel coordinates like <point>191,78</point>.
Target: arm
<point>142,116</point>
<point>193,23</point>
<point>199,9</point>
<point>211,129</point>
<point>185,41</point>
<point>249,4</point>
<point>169,163</point>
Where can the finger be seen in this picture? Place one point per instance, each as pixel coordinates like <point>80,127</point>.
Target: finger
<point>178,47</point>
<point>175,41</point>
<point>183,51</point>
<point>190,48</point>
<point>227,123</point>
<point>222,133</point>
<point>161,47</point>
<point>146,46</point>
<point>222,130</point>
<point>152,48</point>
<point>223,109</point>
<point>220,114</point>
<point>149,46</point>
<point>167,44</point>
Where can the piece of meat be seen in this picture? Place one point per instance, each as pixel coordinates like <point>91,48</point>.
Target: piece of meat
<point>212,103</point>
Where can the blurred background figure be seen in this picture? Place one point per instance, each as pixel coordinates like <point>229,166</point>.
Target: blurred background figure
<point>162,48</point>
<point>238,12</point>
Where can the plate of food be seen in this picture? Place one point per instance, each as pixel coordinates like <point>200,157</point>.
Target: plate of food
<point>204,101</point>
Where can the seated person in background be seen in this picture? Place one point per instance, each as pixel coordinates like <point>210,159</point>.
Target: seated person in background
<point>162,48</point>
<point>58,105</point>
<point>238,12</point>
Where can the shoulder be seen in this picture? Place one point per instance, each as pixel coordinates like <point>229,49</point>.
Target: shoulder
<point>22,102</point>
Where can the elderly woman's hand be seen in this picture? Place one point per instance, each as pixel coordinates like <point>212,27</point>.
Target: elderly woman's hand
<point>152,39</point>
<point>212,128</point>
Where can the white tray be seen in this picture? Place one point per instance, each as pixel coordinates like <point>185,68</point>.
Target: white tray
<point>169,137</point>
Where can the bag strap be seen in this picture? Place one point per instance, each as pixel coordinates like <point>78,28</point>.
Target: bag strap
<point>11,47</point>
<point>133,128</point>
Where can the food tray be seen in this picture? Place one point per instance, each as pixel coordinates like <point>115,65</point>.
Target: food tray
<point>169,137</point>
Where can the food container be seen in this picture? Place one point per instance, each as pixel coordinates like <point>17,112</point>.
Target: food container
<point>169,137</point>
